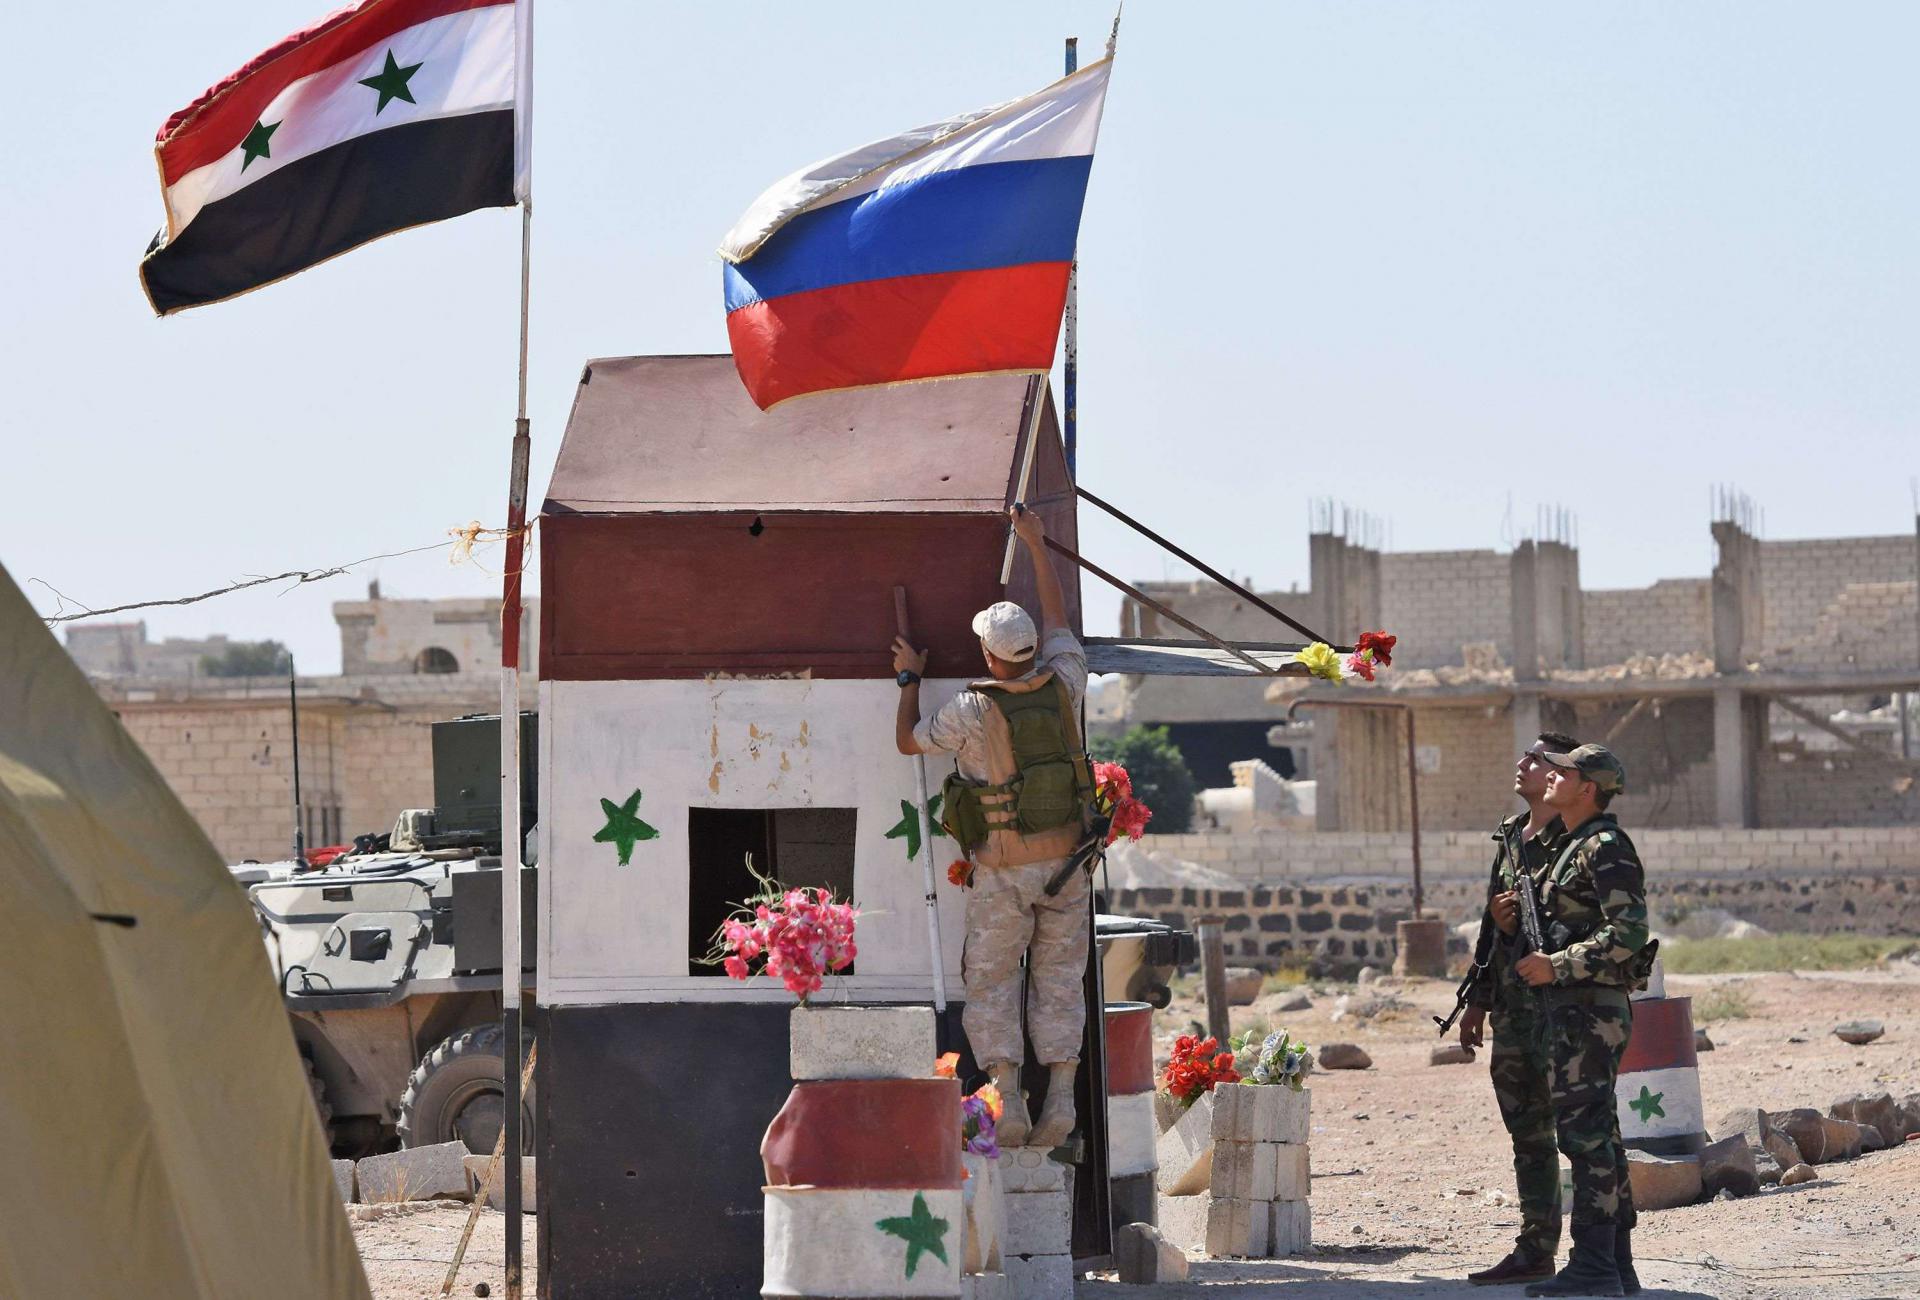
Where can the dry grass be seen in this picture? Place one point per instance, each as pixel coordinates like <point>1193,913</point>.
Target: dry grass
<point>1776,952</point>
<point>1725,1002</point>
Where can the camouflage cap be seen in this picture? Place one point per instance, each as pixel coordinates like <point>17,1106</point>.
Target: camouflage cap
<point>1594,762</point>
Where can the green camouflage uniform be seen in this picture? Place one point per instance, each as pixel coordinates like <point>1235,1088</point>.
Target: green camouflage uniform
<point>1594,909</point>
<point>1520,1068</point>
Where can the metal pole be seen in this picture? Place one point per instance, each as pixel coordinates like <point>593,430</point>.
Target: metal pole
<point>1413,806</point>
<point>510,832</point>
<point>299,819</point>
<point>1036,403</point>
<point>926,853</point>
<point>1072,379</point>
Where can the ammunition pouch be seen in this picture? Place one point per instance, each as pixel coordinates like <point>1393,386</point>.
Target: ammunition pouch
<point>961,813</point>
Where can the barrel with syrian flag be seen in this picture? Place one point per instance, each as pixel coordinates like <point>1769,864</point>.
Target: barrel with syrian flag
<point>1658,1091</point>
<point>1132,1132</point>
<point>386,115</point>
<point>941,251</point>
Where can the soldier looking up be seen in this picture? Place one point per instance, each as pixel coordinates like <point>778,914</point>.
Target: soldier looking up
<point>1594,916</point>
<point>1018,805</point>
<point>1527,841</point>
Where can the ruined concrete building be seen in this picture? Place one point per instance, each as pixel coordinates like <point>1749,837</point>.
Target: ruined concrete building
<point>1772,693</point>
<point>224,744</point>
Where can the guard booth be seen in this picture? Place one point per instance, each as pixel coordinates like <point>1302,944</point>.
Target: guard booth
<point>717,686</point>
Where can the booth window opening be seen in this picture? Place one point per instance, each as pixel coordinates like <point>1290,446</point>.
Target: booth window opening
<point>799,847</point>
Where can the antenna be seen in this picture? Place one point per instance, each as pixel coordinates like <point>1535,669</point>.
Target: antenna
<point>299,821</point>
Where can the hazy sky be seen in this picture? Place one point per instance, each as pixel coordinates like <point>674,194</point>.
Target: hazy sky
<point>1427,259</point>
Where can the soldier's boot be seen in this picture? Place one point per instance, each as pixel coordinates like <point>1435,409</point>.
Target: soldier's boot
<point>1590,1268</point>
<point>1014,1124</point>
<point>1056,1114</point>
<point>1517,1267</point>
<point>1623,1261</point>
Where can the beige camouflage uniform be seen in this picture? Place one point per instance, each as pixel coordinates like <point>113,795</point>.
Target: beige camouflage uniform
<point>1008,911</point>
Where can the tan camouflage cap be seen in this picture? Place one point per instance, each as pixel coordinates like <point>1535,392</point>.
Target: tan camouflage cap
<point>1594,762</point>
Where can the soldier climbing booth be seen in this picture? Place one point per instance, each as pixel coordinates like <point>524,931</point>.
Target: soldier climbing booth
<point>717,686</point>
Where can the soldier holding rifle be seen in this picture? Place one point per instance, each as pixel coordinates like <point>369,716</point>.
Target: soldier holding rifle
<point>1592,917</point>
<point>1526,842</point>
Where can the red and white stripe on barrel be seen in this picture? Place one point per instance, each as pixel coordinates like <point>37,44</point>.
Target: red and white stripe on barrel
<point>863,1190</point>
<point>1659,1088</point>
<point>1131,1131</point>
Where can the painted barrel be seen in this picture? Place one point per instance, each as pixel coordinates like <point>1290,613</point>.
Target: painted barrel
<point>863,1195</point>
<point>1659,1088</point>
<point>1132,1133</point>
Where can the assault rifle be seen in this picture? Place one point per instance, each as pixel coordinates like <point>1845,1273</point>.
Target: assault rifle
<point>1482,955</point>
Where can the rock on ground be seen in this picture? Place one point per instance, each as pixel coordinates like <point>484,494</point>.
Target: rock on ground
<point>437,1172</point>
<point>1343,1056</point>
<point>1797,1175</point>
<point>1876,1109</point>
<point>1450,1054</point>
<point>1701,1043</point>
<point>1144,1257</point>
<point>1661,1184</point>
<point>1859,1031</point>
<point>1728,1166</point>
<point>1243,985</point>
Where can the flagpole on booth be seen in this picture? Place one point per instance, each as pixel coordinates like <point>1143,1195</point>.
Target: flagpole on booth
<point>1072,378</point>
<point>511,834</point>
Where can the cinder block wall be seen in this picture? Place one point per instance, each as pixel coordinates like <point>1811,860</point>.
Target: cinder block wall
<point>1438,601</point>
<point>1340,894</point>
<point>361,761</point>
<point>1801,579</point>
<point>1673,616</point>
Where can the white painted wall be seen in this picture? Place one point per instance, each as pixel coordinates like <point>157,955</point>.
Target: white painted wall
<point>614,934</point>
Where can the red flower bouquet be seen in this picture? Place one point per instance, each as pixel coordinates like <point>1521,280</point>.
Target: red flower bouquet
<point>1196,1066</point>
<point>1113,796</point>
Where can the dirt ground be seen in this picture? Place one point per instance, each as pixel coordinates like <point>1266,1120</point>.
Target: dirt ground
<point>1413,1182</point>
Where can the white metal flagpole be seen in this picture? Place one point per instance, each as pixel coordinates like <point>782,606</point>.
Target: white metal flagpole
<point>510,610</point>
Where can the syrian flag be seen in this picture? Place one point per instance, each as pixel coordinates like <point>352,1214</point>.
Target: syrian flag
<point>941,251</point>
<point>385,115</point>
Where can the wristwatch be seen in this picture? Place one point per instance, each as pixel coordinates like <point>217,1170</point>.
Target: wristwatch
<point>907,677</point>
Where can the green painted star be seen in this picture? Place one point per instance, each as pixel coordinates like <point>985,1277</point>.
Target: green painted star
<point>391,82</point>
<point>908,826</point>
<point>1647,1104</point>
<point>920,1230</point>
<point>255,145</point>
<point>624,828</point>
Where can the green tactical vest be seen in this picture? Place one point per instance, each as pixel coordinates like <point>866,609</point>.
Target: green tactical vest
<point>1051,784</point>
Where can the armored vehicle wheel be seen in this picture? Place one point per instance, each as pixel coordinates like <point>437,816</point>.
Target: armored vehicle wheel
<point>455,1094</point>
<point>320,1102</point>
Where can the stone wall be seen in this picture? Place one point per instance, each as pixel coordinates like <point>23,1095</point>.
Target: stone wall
<point>1673,616</point>
<point>1340,895</point>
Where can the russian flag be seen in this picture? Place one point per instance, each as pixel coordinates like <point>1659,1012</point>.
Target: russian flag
<point>942,251</point>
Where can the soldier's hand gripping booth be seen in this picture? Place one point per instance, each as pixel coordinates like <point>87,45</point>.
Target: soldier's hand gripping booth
<point>1018,804</point>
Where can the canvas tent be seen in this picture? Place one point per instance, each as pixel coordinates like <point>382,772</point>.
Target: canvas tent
<point>156,1125</point>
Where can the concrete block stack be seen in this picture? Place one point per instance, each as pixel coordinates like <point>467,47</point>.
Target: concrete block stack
<point>863,1172</point>
<point>1037,1251</point>
<point>1258,1193</point>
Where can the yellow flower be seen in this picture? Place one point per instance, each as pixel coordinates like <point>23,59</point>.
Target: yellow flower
<point>1321,661</point>
<point>991,1095</point>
